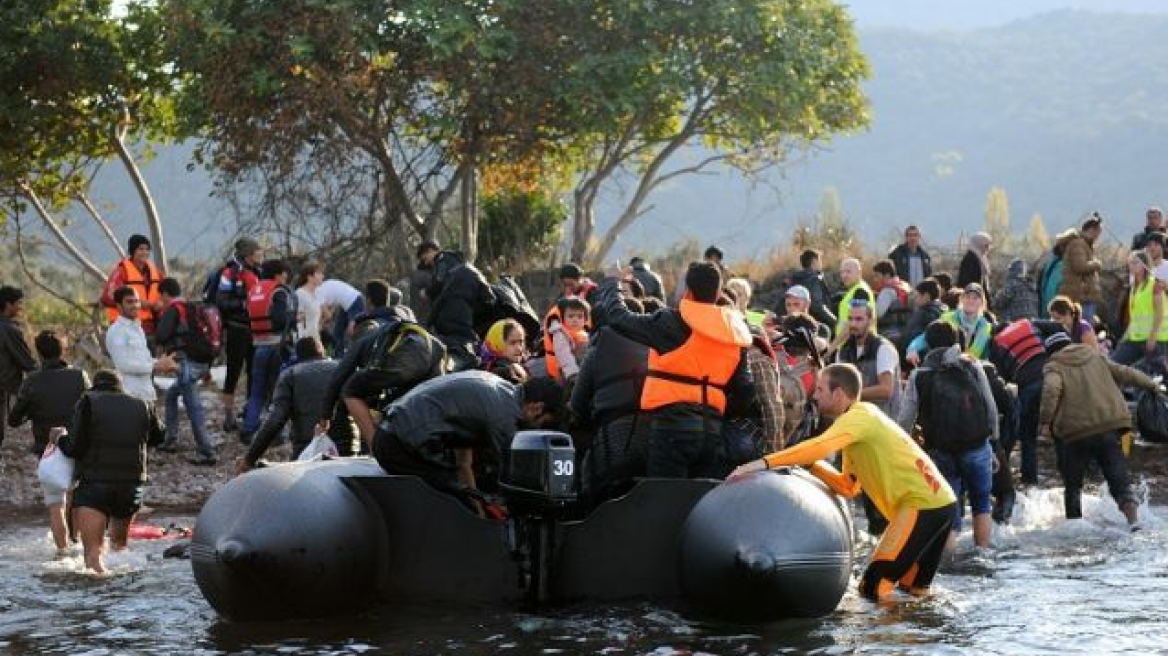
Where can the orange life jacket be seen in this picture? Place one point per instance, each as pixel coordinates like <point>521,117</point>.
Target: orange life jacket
<point>698,371</point>
<point>579,338</point>
<point>147,288</point>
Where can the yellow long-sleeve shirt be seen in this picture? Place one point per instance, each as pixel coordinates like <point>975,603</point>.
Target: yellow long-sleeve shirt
<point>878,457</point>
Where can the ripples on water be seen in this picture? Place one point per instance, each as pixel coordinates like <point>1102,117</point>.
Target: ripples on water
<point>1050,586</point>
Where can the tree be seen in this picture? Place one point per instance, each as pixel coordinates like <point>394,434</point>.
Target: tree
<point>1037,239</point>
<point>739,83</point>
<point>519,229</point>
<point>426,92</point>
<point>81,86</point>
<point>997,219</point>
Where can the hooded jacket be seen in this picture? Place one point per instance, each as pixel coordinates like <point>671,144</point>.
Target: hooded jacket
<point>1080,268</point>
<point>110,430</point>
<point>1019,298</point>
<point>937,359</point>
<point>1081,393</point>
<point>461,296</point>
<point>611,378</point>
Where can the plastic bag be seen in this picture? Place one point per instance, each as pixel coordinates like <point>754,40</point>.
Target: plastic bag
<point>55,470</point>
<point>321,446</point>
<point>1152,416</point>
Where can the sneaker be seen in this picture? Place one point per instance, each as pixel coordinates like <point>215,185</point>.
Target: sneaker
<point>203,461</point>
<point>168,448</point>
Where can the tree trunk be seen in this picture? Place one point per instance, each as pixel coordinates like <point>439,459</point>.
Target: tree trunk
<point>582,225</point>
<point>51,223</point>
<point>158,244</point>
<point>469,211</point>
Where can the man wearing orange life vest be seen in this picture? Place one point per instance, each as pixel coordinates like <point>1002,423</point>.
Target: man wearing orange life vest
<point>138,273</point>
<point>899,477</point>
<point>697,370</point>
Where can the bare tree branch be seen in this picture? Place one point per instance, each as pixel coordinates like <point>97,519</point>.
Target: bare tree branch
<point>101,223</point>
<point>152,218</point>
<point>51,223</point>
<point>28,272</point>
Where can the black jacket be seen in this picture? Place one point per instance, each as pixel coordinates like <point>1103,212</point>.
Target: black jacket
<point>415,359</point>
<point>15,356</point>
<point>919,321</point>
<point>461,296</point>
<point>231,293</point>
<point>469,409</point>
<point>611,379</point>
<point>109,436</point>
<point>972,270</point>
<point>47,397</point>
<point>664,331</point>
<point>820,296</point>
<point>900,257</point>
<point>299,395</point>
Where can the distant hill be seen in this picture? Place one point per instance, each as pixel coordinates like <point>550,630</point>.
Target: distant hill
<point>1065,110</point>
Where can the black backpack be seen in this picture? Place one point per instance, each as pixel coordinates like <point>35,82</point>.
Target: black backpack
<point>511,303</point>
<point>952,410</point>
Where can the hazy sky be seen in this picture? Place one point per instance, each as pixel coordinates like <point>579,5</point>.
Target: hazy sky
<point>971,14</point>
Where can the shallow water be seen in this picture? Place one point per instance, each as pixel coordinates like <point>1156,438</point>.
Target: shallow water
<point>1050,586</point>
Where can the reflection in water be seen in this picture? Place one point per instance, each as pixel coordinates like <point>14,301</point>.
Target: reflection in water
<point>1086,586</point>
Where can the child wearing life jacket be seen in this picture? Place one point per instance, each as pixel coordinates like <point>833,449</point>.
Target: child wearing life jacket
<point>565,338</point>
<point>504,350</point>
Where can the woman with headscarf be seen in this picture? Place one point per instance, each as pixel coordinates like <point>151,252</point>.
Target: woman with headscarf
<point>975,266</point>
<point>504,350</point>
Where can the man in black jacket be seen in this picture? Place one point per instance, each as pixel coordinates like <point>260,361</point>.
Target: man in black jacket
<point>650,281</point>
<point>911,261</point>
<point>110,431</point>
<point>606,398</point>
<point>929,308</point>
<point>48,395</point>
<point>299,396</point>
<point>434,430</point>
<point>385,363</point>
<point>15,356</point>
<point>810,277</point>
<point>229,294</point>
<point>461,298</point>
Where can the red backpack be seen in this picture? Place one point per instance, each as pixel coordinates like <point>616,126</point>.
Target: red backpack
<point>204,330</point>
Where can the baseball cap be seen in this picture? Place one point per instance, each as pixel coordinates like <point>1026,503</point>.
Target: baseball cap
<point>800,292</point>
<point>974,288</point>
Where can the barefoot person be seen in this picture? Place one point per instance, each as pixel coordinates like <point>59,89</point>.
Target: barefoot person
<point>108,441</point>
<point>898,476</point>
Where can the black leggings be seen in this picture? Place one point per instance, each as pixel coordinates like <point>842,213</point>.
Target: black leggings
<point>237,352</point>
<point>909,553</point>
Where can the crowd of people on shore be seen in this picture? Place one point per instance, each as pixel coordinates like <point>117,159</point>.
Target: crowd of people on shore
<point>907,386</point>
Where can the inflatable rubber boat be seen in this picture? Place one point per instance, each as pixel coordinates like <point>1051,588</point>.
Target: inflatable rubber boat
<point>323,537</point>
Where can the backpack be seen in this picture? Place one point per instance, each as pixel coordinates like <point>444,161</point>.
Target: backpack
<point>204,331</point>
<point>1049,283</point>
<point>387,341</point>
<point>952,410</point>
<point>211,286</point>
<point>511,303</point>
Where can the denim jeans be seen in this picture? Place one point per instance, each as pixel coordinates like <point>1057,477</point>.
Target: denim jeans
<point>1129,353</point>
<point>341,324</point>
<point>186,385</point>
<point>1029,400</point>
<point>969,473</point>
<point>264,371</point>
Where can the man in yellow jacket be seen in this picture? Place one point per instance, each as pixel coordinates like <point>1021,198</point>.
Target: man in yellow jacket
<point>896,473</point>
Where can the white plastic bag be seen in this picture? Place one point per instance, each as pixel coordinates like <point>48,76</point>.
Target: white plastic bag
<point>55,470</point>
<point>321,446</point>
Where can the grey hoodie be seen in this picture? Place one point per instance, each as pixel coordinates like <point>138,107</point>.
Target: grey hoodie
<point>935,359</point>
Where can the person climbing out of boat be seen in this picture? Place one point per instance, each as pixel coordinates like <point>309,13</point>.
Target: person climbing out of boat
<point>378,367</point>
<point>436,429</point>
<point>899,477</point>
<point>697,370</point>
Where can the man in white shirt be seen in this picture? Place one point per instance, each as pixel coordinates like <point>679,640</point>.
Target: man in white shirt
<point>347,304</point>
<point>126,344</point>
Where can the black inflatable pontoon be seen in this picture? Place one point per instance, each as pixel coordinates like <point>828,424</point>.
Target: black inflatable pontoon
<point>318,538</point>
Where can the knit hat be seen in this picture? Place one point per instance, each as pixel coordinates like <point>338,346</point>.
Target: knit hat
<point>135,242</point>
<point>1057,342</point>
<point>246,247</point>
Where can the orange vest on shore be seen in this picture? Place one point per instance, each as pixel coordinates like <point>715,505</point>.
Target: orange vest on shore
<point>147,288</point>
<point>549,350</point>
<point>698,370</point>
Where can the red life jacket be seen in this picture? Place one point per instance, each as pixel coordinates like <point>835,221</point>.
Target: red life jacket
<point>259,306</point>
<point>1022,340</point>
<point>902,289</point>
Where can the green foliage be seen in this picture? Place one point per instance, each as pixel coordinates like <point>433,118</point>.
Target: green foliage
<point>519,230</point>
<point>72,74</point>
<point>997,219</point>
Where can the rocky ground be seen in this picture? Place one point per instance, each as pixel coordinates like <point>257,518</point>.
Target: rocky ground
<point>175,485</point>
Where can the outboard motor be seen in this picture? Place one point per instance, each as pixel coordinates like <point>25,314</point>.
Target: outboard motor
<point>540,483</point>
